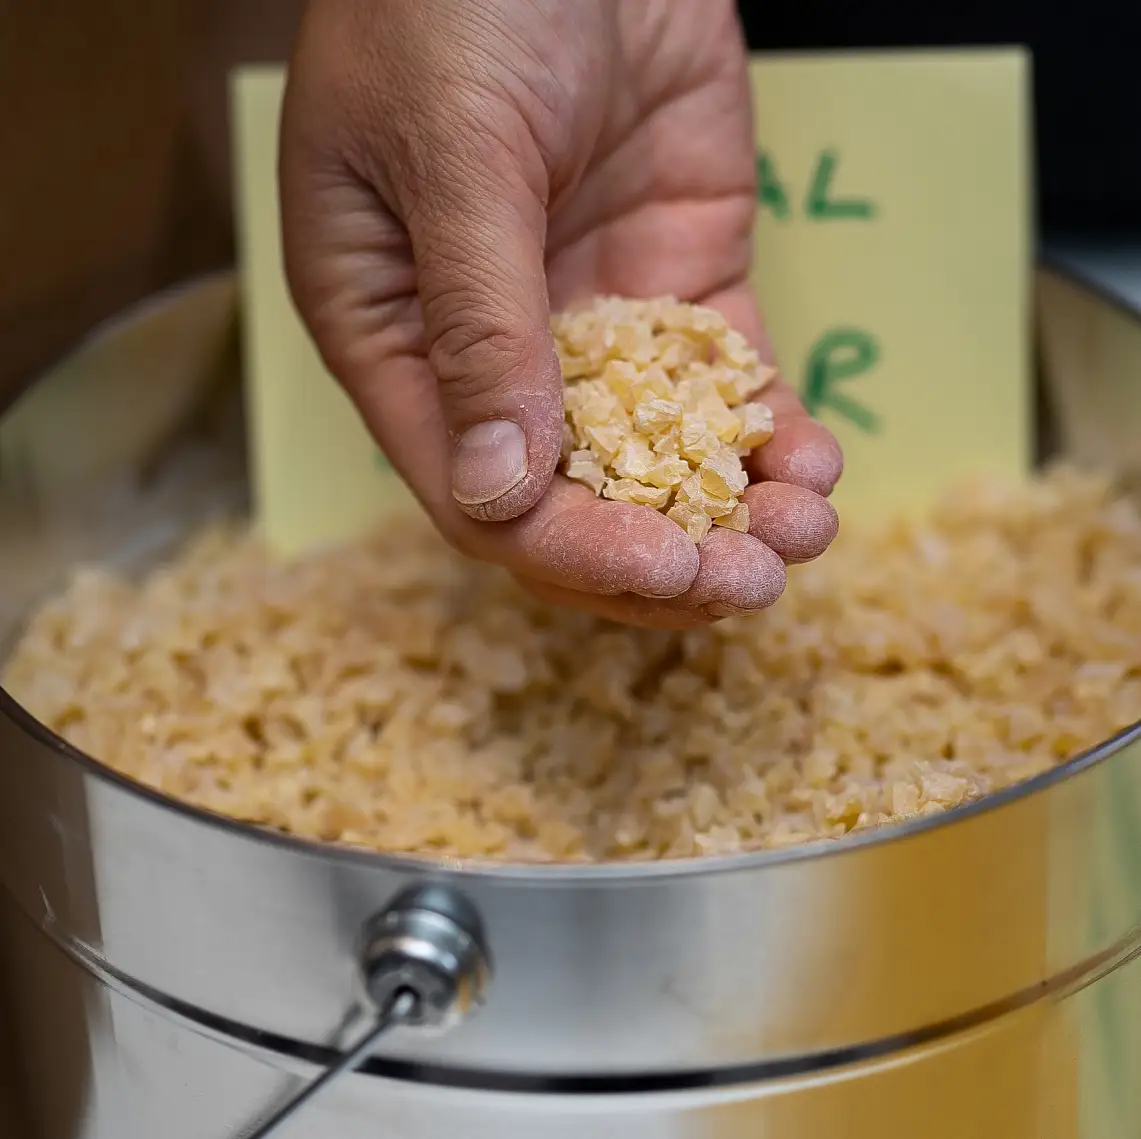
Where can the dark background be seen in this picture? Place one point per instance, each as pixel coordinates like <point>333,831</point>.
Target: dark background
<point>1087,82</point>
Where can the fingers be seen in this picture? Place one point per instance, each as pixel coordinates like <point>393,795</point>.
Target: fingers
<point>477,230</point>
<point>793,522</point>
<point>624,610</point>
<point>610,548</point>
<point>802,452</point>
<point>738,576</point>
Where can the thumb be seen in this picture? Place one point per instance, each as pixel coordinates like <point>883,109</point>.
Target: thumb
<point>478,231</point>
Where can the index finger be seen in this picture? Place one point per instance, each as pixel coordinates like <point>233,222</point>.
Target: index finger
<point>802,451</point>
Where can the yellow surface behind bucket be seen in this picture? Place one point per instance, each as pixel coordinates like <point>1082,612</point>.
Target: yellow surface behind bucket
<point>317,475</point>
<point>893,261</point>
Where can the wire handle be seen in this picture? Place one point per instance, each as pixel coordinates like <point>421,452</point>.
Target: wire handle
<point>424,963</point>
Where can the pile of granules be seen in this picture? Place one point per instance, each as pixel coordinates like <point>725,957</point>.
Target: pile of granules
<point>660,408</point>
<point>392,695</point>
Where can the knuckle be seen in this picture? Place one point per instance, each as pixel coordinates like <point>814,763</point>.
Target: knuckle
<point>477,356</point>
<point>448,142</point>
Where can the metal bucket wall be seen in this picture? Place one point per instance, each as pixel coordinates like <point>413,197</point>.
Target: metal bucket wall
<point>171,975</point>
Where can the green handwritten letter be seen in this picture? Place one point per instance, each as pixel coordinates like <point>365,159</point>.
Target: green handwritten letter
<point>821,205</point>
<point>770,190</point>
<point>837,357</point>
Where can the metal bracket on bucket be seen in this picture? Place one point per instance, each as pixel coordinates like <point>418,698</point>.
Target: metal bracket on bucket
<point>424,964</point>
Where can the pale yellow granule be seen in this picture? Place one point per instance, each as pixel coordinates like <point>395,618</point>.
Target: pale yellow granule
<point>658,393</point>
<point>394,696</point>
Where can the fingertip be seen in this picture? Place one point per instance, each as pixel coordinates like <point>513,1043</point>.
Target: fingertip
<point>510,505</point>
<point>500,470</point>
<point>614,547</point>
<point>796,523</point>
<point>802,453</point>
<point>672,570</point>
<point>738,575</point>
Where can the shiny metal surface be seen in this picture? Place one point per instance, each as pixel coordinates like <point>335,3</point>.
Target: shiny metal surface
<point>429,942</point>
<point>423,965</point>
<point>398,1011</point>
<point>970,975</point>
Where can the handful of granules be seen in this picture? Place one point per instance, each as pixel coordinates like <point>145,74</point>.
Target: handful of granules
<point>659,408</point>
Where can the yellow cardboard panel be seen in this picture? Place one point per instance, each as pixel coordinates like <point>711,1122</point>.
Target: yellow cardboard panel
<point>892,260</point>
<point>318,477</point>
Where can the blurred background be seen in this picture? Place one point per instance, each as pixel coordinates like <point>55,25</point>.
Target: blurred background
<point>1086,97</point>
<point>114,165</point>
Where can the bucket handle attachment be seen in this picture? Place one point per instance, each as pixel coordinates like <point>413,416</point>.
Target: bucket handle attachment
<point>423,963</point>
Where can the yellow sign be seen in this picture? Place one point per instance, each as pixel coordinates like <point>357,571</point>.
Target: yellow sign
<point>892,262</point>
<point>893,258</point>
<point>317,475</point>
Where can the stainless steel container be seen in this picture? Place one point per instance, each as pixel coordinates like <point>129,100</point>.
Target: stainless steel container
<point>171,975</point>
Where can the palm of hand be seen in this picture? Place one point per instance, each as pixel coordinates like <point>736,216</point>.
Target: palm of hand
<point>645,159</point>
<point>665,203</point>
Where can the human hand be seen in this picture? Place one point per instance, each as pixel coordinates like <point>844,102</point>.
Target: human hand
<point>449,172</point>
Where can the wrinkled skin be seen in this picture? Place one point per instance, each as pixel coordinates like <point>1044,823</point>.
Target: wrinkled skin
<point>451,172</point>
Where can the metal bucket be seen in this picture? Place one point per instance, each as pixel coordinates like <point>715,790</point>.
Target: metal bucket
<point>172,975</point>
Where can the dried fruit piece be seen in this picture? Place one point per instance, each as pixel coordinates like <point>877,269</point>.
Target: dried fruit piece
<point>583,467</point>
<point>668,470</point>
<point>655,416</point>
<point>622,377</point>
<point>634,459</point>
<point>723,476</point>
<point>736,519</point>
<point>654,381</point>
<point>749,381</point>
<point>654,394</point>
<point>630,490</point>
<point>592,403</point>
<point>605,442</point>
<point>697,441</point>
<point>696,523</point>
<point>694,493</point>
<point>634,342</point>
<point>756,425</point>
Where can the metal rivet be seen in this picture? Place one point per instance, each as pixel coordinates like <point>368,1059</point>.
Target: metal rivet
<point>429,942</point>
